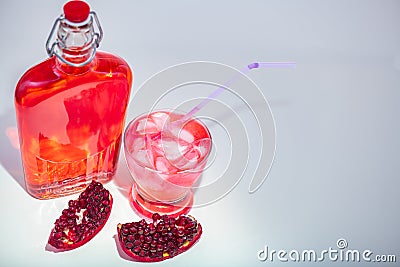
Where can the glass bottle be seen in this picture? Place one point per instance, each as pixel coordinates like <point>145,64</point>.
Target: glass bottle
<point>71,108</point>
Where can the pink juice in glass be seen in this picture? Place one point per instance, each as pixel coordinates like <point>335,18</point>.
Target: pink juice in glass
<point>165,160</point>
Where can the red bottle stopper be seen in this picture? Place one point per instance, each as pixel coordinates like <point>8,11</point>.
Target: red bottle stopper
<point>76,11</point>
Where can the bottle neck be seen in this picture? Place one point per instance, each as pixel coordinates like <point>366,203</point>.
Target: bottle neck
<point>76,45</point>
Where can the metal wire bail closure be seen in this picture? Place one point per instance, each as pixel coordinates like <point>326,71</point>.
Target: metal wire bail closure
<point>51,48</point>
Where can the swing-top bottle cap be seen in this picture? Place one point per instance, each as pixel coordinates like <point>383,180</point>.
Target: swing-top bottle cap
<point>76,11</point>
<point>77,29</point>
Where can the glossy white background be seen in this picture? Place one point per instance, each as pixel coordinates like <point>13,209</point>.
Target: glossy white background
<point>336,171</point>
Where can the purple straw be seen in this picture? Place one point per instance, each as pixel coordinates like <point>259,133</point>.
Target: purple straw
<point>219,90</point>
<point>256,65</point>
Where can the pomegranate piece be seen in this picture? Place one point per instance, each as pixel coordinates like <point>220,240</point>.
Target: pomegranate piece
<point>83,218</point>
<point>159,240</point>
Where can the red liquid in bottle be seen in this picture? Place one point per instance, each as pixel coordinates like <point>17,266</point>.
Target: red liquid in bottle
<point>70,126</point>
<point>70,121</point>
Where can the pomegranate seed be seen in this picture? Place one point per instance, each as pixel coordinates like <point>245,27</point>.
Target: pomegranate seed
<point>152,229</point>
<point>125,231</point>
<point>146,246</point>
<point>130,238</point>
<point>180,233</point>
<point>153,243</point>
<point>148,239</point>
<point>129,245</point>
<point>156,217</point>
<point>164,232</point>
<point>160,227</point>
<point>70,230</point>
<point>146,231</point>
<point>140,230</point>
<point>161,239</point>
<point>165,218</point>
<point>58,235</point>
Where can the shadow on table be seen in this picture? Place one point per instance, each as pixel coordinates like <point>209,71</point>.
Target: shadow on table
<point>122,178</point>
<point>10,157</point>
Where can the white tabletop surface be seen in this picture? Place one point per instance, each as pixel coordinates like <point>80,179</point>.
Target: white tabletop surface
<point>336,168</point>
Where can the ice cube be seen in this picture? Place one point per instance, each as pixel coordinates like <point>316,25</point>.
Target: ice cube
<point>181,157</point>
<point>154,144</point>
<point>189,165</point>
<point>186,136</point>
<point>174,150</point>
<point>175,129</point>
<point>149,149</point>
<point>171,131</point>
<point>171,150</point>
<point>146,125</point>
<point>159,119</point>
<point>162,164</point>
<point>137,144</point>
<point>143,158</point>
<point>189,160</point>
<point>202,146</point>
<point>194,154</point>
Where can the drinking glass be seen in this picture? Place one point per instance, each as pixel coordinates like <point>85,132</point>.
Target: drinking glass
<point>165,156</point>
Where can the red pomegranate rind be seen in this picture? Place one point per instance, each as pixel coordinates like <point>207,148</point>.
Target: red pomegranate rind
<point>83,218</point>
<point>164,238</point>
